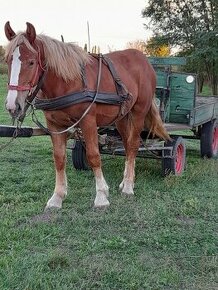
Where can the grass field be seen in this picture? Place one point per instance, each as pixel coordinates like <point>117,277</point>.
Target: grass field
<point>166,237</point>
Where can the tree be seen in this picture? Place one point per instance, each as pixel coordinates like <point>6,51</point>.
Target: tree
<point>2,53</point>
<point>206,55</point>
<point>157,46</point>
<point>85,47</point>
<point>192,25</point>
<point>96,49</point>
<point>137,44</point>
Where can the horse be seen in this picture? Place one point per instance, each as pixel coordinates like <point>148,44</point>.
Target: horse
<point>116,88</point>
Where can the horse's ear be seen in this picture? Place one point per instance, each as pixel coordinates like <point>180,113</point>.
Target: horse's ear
<point>30,32</point>
<point>9,32</point>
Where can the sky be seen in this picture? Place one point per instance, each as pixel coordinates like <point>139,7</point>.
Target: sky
<point>112,23</point>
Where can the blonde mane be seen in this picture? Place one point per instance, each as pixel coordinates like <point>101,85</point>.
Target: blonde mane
<point>66,59</point>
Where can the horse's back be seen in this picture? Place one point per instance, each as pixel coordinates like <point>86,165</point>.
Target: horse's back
<point>131,59</point>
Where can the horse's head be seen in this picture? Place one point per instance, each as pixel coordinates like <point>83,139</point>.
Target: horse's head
<point>24,67</point>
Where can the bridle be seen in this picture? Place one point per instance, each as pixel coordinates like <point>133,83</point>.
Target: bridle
<point>33,87</point>
<point>32,83</point>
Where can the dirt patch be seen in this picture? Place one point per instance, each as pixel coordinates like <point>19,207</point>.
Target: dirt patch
<point>185,220</point>
<point>48,216</point>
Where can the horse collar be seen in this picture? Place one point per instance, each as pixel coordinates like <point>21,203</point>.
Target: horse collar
<point>85,95</point>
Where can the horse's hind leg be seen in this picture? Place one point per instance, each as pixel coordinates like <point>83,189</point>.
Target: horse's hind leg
<point>90,134</point>
<point>130,129</point>
<point>59,153</point>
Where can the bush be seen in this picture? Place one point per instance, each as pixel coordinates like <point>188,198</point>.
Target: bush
<point>3,68</point>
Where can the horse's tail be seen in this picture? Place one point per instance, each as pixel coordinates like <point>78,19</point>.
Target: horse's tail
<point>154,123</point>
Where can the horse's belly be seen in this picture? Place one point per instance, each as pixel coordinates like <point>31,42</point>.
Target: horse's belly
<point>106,114</point>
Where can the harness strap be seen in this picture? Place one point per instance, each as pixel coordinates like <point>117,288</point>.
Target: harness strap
<point>88,95</point>
<point>76,98</point>
<point>32,96</point>
<point>120,87</point>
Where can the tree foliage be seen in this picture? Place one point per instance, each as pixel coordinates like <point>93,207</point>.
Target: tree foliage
<point>137,44</point>
<point>153,47</point>
<point>157,46</point>
<point>193,26</point>
<point>2,53</point>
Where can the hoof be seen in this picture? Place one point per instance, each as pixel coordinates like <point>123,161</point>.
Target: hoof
<point>54,202</point>
<point>127,191</point>
<point>101,207</point>
<point>126,188</point>
<point>101,200</point>
<point>127,194</point>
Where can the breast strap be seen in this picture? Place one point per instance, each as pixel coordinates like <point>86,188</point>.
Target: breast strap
<point>76,98</point>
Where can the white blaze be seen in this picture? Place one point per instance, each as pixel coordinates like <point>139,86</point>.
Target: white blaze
<point>14,78</point>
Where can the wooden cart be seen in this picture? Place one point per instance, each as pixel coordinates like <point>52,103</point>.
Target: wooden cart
<point>181,110</point>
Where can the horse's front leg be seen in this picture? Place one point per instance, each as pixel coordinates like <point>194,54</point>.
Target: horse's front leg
<point>90,135</point>
<point>102,189</point>
<point>59,154</point>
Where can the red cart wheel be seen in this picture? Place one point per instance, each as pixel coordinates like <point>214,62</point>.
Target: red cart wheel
<point>209,139</point>
<point>174,159</point>
<point>215,141</point>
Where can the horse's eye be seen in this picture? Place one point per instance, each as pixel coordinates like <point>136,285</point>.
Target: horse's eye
<point>31,63</point>
<point>7,60</point>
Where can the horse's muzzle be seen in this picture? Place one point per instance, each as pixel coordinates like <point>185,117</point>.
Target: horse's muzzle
<point>15,113</point>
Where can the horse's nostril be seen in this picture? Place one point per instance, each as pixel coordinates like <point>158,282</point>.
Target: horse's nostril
<point>18,107</point>
<point>14,112</point>
<point>10,111</point>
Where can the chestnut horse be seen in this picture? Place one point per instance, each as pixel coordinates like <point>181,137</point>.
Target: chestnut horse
<point>64,67</point>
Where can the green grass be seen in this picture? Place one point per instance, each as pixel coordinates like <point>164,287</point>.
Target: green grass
<point>163,238</point>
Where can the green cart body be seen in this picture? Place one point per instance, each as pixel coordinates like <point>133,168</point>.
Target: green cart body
<point>182,109</point>
<point>180,106</point>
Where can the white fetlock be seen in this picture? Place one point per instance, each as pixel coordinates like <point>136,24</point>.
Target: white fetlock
<point>101,200</point>
<point>54,202</point>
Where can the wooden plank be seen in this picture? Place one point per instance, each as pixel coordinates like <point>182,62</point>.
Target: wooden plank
<point>182,97</point>
<point>10,131</point>
<point>201,100</point>
<point>162,78</point>
<point>166,61</point>
<point>206,111</point>
<point>176,126</point>
<point>39,132</point>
